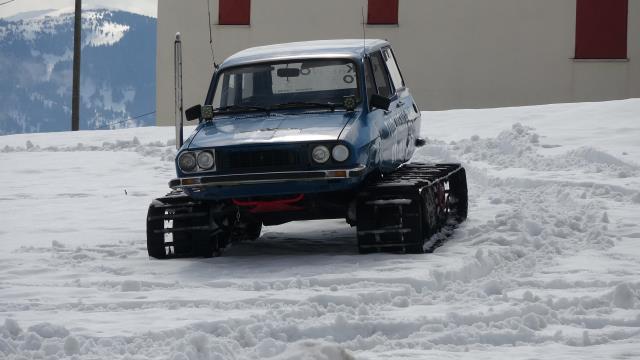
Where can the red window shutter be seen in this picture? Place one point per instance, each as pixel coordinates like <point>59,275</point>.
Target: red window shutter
<point>383,12</point>
<point>601,29</point>
<point>234,12</point>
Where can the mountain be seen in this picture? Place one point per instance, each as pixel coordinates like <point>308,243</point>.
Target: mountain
<point>118,71</point>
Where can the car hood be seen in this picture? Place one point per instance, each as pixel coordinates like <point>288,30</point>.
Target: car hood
<point>273,128</point>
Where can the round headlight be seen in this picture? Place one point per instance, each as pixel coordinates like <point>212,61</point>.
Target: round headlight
<point>187,162</point>
<point>206,160</point>
<point>340,153</point>
<point>320,154</point>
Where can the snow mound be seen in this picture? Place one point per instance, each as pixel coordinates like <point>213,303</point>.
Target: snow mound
<point>520,147</point>
<point>164,150</point>
<point>624,297</point>
<point>47,330</point>
<point>311,350</point>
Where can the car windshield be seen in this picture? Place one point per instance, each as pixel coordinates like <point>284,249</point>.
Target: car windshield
<point>305,83</point>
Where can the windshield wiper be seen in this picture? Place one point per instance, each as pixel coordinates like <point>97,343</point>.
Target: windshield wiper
<point>241,108</point>
<point>298,104</point>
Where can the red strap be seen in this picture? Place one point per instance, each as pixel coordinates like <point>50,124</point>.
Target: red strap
<point>271,206</point>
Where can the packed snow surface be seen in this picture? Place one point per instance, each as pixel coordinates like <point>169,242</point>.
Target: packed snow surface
<point>546,267</point>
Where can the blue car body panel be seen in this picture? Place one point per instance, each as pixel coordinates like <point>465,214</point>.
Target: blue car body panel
<point>280,127</point>
<point>249,143</point>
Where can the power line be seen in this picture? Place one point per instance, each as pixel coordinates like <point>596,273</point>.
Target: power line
<point>6,2</point>
<point>125,120</point>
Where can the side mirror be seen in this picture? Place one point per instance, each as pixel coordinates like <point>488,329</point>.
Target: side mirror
<point>193,113</point>
<point>380,102</point>
<point>199,112</point>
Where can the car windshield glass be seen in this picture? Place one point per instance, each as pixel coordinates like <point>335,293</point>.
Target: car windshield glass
<point>305,83</point>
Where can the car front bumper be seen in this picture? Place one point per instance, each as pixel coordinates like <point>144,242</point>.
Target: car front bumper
<point>230,180</point>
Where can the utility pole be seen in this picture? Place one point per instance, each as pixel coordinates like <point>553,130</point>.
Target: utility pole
<point>77,43</point>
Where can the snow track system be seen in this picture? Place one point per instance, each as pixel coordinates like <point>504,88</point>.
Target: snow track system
<point>399,213</point>
<point>179,227</point>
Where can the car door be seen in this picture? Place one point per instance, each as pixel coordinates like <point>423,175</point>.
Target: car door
<point>389,127</point>
<point>405,114</point>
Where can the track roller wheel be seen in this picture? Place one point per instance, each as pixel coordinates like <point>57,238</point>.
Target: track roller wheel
<point>251,231</point>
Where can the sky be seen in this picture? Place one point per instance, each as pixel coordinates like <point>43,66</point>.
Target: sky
<point>144,7</point>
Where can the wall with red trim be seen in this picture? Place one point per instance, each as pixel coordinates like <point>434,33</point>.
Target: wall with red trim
<point>453,53</point>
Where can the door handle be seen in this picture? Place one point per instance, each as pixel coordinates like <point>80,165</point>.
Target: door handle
<point>400,104</point>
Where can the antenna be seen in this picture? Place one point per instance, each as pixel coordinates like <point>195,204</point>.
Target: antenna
<point>213,57</point>
<point>364,34</point>
<point>179,103</point>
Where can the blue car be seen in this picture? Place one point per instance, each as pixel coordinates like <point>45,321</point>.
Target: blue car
<point>305,131</point>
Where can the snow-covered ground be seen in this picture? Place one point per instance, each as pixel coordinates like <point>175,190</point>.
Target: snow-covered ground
<point>546,267</point>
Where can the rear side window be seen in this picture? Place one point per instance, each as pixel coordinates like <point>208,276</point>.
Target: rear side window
<point>380,75</point>
<point>392,65</point>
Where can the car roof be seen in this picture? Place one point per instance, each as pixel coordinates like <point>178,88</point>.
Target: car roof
<point>343,48</point>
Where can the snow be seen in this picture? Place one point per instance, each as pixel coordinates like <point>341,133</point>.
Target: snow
<point>103,33</point>
<point>99,32</point>
<point>24,10</point>
<point>546,267</point>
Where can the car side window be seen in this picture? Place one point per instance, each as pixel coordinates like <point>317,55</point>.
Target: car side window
<point>247,87</point>
<point>227,96</point>
<point>380,74</point>
<point>392,65</point>
<point>368,78</point>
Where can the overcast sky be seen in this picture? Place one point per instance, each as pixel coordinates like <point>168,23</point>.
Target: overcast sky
<point>145,7</point>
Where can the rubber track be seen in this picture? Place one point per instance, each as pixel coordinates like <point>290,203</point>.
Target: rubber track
<point>175,207</point>
<point>398,212</point>
<point>416,176</point>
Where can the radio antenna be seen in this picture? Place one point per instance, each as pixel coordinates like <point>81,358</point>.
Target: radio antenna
<point>213,57</point>
<point>364,34</point>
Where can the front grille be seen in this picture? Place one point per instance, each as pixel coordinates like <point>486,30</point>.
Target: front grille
<point>260,159</point>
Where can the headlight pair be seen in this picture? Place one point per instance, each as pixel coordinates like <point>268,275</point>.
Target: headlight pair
<point>321,153</point>
<point>194,161</point>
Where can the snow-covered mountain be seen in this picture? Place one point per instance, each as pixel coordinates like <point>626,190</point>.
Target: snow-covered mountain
<point>118,70</point>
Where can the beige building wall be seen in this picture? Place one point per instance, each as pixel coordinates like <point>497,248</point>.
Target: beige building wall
<point>453,53</point>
